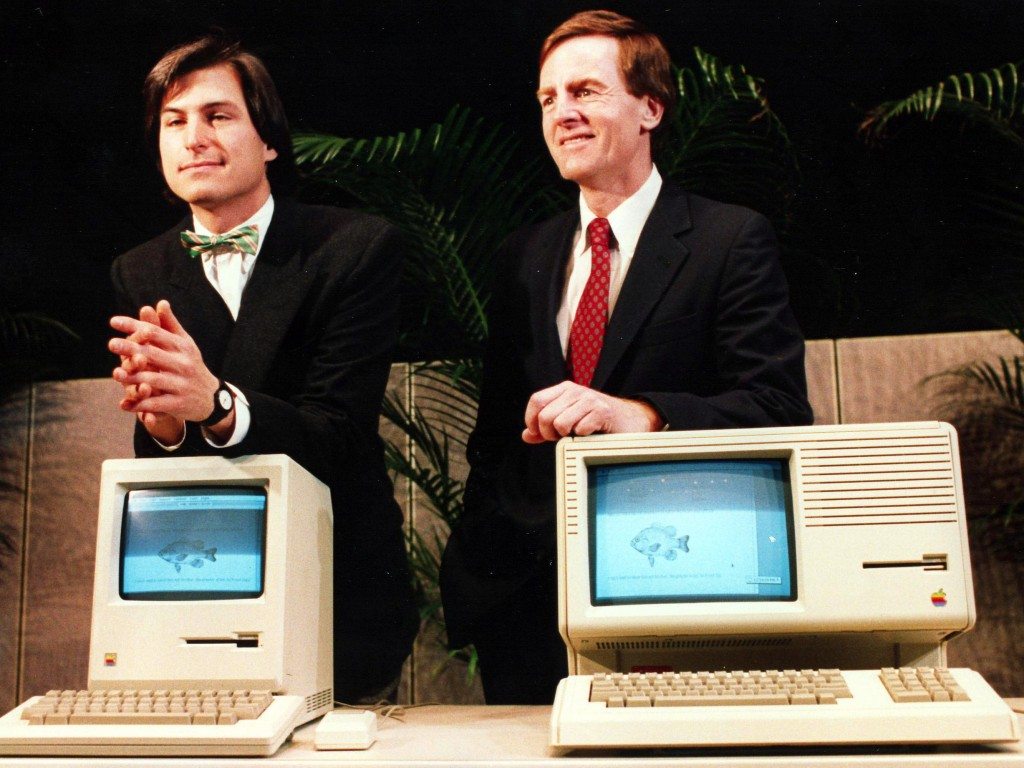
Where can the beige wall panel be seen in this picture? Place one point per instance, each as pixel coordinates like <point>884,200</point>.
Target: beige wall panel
<point>820,366</point>
<point>76,425</point>
<point>14,413</point>
<point>881,379</point>
<point>435,677</point>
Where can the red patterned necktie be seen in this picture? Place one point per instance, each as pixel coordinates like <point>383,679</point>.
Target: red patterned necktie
<point>587,334</point>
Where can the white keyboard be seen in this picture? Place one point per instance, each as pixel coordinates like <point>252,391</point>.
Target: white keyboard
<point>779,707</point>
<point>141,722</point>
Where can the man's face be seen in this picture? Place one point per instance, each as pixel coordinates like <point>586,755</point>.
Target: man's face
<point>598,133</point>
<point>211,155</point>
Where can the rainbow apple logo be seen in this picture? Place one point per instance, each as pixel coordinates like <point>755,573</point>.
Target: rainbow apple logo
<point>939,599</point>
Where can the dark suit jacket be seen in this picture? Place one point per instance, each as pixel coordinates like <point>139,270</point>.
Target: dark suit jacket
<point>311,351</point>
<point>702,330</point>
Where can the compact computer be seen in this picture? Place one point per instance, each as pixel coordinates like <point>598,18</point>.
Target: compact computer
<point>212,613</point>
<point>766,586</point>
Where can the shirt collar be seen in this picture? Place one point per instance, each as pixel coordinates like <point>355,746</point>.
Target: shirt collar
<point>261,219</point>
<point>628,219</point>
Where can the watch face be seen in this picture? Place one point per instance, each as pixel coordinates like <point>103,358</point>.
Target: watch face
<point>224,397</point>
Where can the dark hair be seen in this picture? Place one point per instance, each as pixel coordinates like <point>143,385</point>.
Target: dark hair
<point>265,108</point>
<point>643,60</point>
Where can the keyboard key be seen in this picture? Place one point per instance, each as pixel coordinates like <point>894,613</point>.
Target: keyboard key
<point>803,698</point>
<point>120,718</point>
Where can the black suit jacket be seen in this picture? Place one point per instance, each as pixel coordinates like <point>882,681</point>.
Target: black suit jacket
<point>311,351</point>
<point>702,330</point>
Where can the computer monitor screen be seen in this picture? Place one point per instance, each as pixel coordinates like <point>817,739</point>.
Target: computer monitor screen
<point>691,531</point>
<point>193,543</point>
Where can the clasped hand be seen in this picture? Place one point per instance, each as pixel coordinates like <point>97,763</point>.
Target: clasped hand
<point>162,371</point>
<point>572,409</point>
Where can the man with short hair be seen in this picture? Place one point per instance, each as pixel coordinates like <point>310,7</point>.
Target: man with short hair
<point>259,325</point>
<point>645,308</point>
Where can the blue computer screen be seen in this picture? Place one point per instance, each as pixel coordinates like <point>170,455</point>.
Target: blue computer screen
<point>691,531</point>
<point>193,543</point>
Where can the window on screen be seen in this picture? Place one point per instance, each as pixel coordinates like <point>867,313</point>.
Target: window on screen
<point>193,543</point>
<point>691,531</point>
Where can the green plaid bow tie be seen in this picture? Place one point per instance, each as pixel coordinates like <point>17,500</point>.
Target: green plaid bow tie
<point>243,239</point>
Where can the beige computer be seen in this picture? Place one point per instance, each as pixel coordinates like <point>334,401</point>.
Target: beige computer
<point>212,574</point>
<point>771,550</point>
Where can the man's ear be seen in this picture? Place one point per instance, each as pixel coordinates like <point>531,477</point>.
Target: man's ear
<point>269,153</point>
<point>652,114</point>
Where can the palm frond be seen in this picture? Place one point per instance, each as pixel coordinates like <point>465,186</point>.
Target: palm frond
<point>30,342</point>
<point>456,189</point>
<point>428,467</point>
<point>1003,382</point>
<point>31,333</point>
<point>425,562</point>
<point>725,141</point>
<point>994,97</point>
<point>463,375</point>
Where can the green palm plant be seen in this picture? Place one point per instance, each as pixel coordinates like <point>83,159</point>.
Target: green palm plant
<point>724,140</point>
<point>456,190</point>
<point>29,343</point>
<point>994,97</point>
<point>991,103</point>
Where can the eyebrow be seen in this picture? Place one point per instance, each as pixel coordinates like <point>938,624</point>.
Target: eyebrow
<point>574,85</point>
<point>207,106</point>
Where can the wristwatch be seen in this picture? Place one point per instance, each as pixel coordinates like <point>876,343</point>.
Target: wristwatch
<point>223,403</point>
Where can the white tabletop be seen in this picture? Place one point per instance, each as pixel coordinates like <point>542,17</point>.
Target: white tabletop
<point>484,737</point>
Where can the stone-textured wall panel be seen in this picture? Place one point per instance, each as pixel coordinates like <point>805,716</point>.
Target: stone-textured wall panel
<point>75,426</point>
<point>437,678</point>
<point>820,366</point>
<point>14,421</point>
<point>882,379</point>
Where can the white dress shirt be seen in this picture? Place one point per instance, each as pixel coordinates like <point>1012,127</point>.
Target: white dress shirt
<point>626,222</point>
<point>228,272</point>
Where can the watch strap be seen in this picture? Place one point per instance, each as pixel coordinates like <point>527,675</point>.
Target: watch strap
<point>223,395</point>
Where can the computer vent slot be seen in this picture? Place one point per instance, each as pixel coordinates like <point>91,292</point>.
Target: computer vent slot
<point>645,645</point>
<point>320,699</point>
<point>879,482</point>
<point>571,498</point>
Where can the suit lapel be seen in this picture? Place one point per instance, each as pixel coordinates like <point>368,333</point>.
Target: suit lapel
<point>659,255</point>
<point>551,277</point>
<point>195,302</point>
<point>186,272</point>
<point>271,298</point>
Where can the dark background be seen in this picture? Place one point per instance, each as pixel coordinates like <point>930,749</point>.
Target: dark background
<point>877,243</point>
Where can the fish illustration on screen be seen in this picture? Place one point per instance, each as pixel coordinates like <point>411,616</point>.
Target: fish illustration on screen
<point>660,541</point>
<point>182,552</point>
